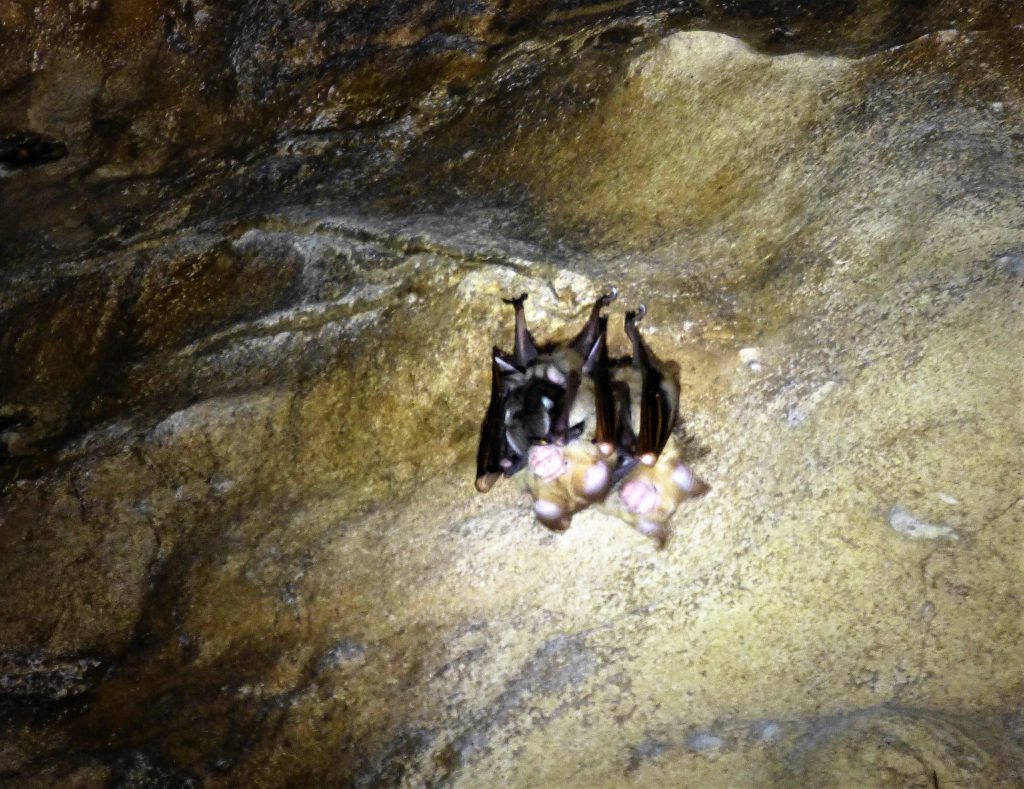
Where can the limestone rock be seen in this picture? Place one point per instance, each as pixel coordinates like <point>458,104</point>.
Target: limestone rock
<point>239,539</point>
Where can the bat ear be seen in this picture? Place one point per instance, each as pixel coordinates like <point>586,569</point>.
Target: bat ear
<point>656,531</point>
<point>505,365</point>
<point>688,482</point>
<point>552,515</point>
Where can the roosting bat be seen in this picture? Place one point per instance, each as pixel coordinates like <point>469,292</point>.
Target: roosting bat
<point>649,495</point>
<point>533,394</point>
<point>654,487</point>
<point>576,425</point>
<point>572,466</point>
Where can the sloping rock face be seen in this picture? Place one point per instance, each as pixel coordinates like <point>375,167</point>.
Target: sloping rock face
<point>110,109</point>
<point>239,540</point>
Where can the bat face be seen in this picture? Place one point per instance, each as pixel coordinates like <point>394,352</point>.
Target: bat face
<point>565,477</point>
<point>649,494</point>
<point>580,428</point>
<point>565,480</point>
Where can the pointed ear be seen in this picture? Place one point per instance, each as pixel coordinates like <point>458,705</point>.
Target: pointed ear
<point>551,515</point>
<point>656,531</point>
<point>504,363</point>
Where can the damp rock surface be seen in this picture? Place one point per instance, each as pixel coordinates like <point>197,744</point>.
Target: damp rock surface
<point>239,540</point>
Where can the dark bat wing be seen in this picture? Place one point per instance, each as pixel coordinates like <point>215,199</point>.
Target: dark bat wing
<point>625,438</point>
<point>526,348</point>
<point>658,412</point>
<point>584,342</point>
<point>596,366</point>
<point>559,432</point>
<point>493,448</point>
<point>659,399</point>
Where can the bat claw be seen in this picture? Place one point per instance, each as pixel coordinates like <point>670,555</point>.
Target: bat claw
<point>486,481</point>
<point>637,315</point>
<point>609,297</point>
<point>515,302</point>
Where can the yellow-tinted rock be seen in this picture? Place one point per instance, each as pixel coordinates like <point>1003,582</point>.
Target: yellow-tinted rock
<point>272,559</point>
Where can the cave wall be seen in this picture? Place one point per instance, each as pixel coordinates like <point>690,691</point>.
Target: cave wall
<point>241,384</point>
<point>128,89</point>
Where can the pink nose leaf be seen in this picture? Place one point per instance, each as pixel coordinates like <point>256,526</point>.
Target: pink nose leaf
<point>547,461</point>
<point>640,496</point>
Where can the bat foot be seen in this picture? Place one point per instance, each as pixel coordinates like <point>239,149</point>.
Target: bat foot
<point>609,297</point>
<point>637,315</point>
<point>515,302</point>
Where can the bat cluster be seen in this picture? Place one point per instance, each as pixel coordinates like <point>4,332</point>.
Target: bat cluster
<point>585,429</point>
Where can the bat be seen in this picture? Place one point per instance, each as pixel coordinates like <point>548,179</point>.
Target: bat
<point>653,479</point>
<point>565,480</point>
<point>573,469</point>
<point>659,395</point>
<point>650,494</point>
<point>579,426</point>
<point>532,394</point>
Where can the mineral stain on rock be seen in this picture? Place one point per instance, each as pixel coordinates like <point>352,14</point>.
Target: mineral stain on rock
<point>560,664</point>
<point>37,674</point>
<point>240,330</point>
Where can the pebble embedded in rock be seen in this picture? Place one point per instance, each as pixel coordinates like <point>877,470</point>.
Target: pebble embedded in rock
<point>903,521</point>
<point>751,357</point>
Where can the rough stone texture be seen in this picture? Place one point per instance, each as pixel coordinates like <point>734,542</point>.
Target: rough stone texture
<point>239,541</point>
<point>145,94</point>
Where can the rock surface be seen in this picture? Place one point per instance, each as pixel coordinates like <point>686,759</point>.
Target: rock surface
<point>239,540</point>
